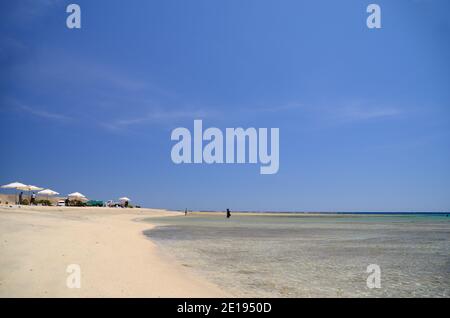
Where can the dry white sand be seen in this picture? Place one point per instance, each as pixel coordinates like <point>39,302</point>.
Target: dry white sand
<point>116,259</point>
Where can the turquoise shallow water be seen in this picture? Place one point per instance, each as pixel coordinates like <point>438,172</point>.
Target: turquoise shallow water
<point>308,256</point>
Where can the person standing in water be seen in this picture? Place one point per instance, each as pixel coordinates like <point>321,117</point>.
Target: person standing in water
<point>185,212</point>
<point>228,213</point>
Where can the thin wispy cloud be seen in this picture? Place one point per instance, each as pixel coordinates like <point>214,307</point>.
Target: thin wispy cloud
<point>279,108</point>
<point>109,91</point>
<point>338,112</point>
<point>38,112</point>
<point>126,102</point>
<point>52,65</point>
<point>158,117</point>
<point>359,113</point>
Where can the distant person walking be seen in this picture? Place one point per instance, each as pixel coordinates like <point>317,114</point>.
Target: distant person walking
<point>33,199</point>
<point>185,212</point>
<point>228,213</point>
<point>20,197</point>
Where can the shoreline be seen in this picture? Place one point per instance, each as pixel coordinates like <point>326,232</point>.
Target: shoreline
<point>116,259</point>
<point>318,214</point>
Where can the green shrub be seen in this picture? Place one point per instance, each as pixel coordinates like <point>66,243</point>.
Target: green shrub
<point>44,202</point>
<point>25,202</point>
<point>76,203</point>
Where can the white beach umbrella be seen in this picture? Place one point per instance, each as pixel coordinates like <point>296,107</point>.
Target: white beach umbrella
<point>14,185</point>
<point>124,199</point>
<point>48,192</point>
<point>30,188</point>
<point>77,195</point>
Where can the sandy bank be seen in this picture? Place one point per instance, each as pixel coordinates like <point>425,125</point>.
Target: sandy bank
<point>116,259</point>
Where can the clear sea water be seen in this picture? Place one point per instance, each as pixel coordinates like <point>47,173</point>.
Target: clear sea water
<point>312,256</point>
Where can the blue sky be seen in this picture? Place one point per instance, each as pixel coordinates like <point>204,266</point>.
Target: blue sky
<point>363,114</point>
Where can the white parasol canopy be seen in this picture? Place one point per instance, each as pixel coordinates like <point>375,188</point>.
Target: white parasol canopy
<point>48,192</point>
<point>13,185</point>
<point>124,199</point>
<point>29,188</point>
<point>76,195</point>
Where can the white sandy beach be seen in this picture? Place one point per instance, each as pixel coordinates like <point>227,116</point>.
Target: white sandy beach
<point>116,259</point>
